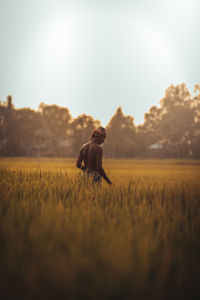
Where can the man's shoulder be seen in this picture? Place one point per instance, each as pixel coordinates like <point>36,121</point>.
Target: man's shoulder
<point>86,145</point>
<point>95,147</point>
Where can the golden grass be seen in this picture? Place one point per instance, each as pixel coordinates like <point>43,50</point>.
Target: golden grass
<point>62,237</point>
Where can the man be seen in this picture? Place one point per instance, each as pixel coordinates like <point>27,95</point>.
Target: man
<point>91,155</point>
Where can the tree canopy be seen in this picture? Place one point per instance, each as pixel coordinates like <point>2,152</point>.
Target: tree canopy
<point>174,125</point>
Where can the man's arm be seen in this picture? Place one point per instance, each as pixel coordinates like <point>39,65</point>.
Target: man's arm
<point>79,160</point>
<point>100,169</point>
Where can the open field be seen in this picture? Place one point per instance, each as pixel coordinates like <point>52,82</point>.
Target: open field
<point>63,238</point>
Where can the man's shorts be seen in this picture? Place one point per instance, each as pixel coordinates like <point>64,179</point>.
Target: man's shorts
<point>95,174</point>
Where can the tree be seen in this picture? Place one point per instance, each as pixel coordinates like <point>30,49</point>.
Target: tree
<point>121,135</point>
<point>9,102</point>
<point>195,139</point>
<point>177,122</point>
<point>174,124</point>
<point>81,130</point>
<point>149,132</point>
<point>56,122</point>
<point>18,130</point>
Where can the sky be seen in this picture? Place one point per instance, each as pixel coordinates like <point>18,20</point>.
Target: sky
<point>93,56</point>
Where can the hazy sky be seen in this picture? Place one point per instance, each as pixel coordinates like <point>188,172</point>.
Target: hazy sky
<point>95,55</point>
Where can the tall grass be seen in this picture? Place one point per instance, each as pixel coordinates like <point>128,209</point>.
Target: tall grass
<point>63,238</point>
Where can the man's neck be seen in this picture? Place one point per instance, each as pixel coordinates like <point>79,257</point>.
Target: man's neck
<point>94,140</point>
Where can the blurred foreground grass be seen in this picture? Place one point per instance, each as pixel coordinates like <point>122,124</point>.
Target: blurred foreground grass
<point>61,237</point>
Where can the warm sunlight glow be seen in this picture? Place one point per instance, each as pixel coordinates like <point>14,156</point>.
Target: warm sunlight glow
<point>58,42</point>
<point>156,49</point>
<point>155,43</point>
<point>92,55</point>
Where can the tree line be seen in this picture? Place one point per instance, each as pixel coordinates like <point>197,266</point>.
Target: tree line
<point>170,130</point>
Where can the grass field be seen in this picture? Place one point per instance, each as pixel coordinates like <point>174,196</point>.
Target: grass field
<point>63,238</point>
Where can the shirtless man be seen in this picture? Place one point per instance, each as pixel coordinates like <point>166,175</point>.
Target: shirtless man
<point>91,155</point>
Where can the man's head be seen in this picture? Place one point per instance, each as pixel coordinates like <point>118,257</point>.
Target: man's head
<point>99,135</point>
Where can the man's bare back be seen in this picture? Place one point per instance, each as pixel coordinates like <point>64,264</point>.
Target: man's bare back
<point>91,153</point>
